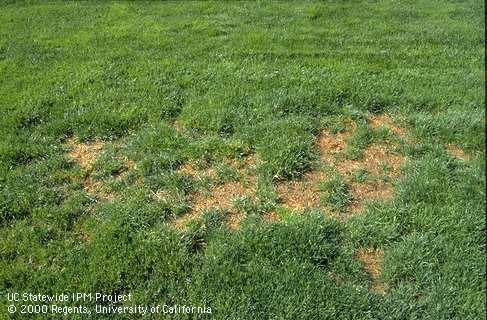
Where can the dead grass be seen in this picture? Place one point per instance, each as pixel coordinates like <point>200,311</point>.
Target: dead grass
<point>272,216</point>
<point>457,152</point>
<point>221,196</point>
<point>375,158</point>
<point>178,125</point>
<point>369,190</point>
<point>303,193</point>
<point>234,219</point>
<point>372,260</point>
<point>385,120</point>
<point>331,145</point>
<point>84,153</point>
<point>378,160</point>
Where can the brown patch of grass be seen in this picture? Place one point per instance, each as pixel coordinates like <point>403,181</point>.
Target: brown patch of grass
<point>375,160</point>
<point>272,216</point>
<point>372,260</point>
<point>331,145</point>
<point>190,169</point>
<point>303,193</point>
<point>220,196</point>
<point>369,190</point>
<point>130,164</point>
<point>234,219</point>
<point>178,125</point>
<point>378,160</point>
<point>457,152</point>
<point>375,157</point>
<point>84,153</point>
<point>384,120</point>
<point>181,221</point>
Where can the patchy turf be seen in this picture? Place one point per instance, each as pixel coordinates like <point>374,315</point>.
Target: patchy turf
<point>291,160</point>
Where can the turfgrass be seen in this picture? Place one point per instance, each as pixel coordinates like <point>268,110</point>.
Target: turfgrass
<point>128,127</point>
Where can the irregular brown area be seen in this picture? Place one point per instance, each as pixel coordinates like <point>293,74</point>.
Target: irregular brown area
<point>84,153</point>
<point>272,216</point>
<point>303,193</point>
<point>220,196</point>
<point>331,145</point>
<point>96,187</point>
<point>368,190</point>
<point>457,152</point>
<point>378,161</point>
<point>191,170</point>
<point>372,260</point>
<point>376,158</point>
<point>178,125</point>
<point>384,120</point>
<point>234,219</point>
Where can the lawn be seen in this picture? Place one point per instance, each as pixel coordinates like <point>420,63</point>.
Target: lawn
<point>265,160</point>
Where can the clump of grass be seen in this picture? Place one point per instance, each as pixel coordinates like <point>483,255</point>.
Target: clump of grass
<point>225,173</point>
<point>356,143</point>
<point>361,175</point>
<point>264,201</point>
<point>336,192</point>
<point>286,147</point>
<point>334,123</point>
<point>157,148</point>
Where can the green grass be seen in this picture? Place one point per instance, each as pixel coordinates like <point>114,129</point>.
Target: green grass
<point>242,78</point>
<point>336,192</point>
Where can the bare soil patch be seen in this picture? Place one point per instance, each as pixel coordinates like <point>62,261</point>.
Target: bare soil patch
<point>85,155</point>
<point>379,161</point>
<point>272,216</point>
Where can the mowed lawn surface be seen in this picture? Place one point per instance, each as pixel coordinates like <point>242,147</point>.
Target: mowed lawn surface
<point>270,160</point>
